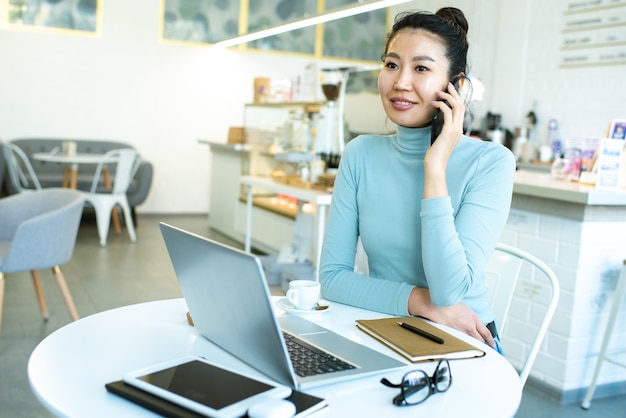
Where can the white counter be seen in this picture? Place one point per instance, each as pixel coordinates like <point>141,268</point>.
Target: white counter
<point>228,213</point>
<point>543,185</point>
<point>221,146</point>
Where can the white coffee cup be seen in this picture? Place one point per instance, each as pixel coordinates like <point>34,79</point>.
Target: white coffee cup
<point>303,294</point>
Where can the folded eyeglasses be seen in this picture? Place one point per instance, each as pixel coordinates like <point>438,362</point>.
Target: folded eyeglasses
<point>417,386</point>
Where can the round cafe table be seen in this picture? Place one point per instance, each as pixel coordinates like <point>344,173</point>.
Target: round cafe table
<point>70,174</point>
<point>69,369</point>
<point>72,162</point>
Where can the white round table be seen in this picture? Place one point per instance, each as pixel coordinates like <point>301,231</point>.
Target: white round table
<point>68,370</point>
<point>72,162</point>
<point>70,174</point>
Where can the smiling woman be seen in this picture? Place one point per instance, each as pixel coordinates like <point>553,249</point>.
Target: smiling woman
<point>429,216</point>
<point>415,70</point>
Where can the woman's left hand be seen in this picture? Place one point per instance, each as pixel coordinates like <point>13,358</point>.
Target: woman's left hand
<point>453,117</point>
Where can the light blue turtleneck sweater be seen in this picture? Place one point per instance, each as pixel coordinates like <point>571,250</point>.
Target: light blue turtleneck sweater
<point>441,244</point>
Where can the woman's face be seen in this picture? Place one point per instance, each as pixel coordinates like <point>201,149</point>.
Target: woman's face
<point>415,69</point>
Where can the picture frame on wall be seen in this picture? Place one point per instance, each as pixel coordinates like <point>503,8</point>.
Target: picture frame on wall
<point>199,22</point>
<point>358,37</point>
<point>618,129</point>
<point>279,12</point>
<point>77,17</point>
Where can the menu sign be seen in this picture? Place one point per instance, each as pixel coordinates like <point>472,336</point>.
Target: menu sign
<point>609,164</point>
<point>594,33</point>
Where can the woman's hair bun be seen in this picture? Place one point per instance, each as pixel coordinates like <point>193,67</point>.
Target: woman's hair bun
<point>454,16</point>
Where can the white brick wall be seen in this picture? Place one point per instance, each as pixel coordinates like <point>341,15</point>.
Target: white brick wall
<point>586,257</point>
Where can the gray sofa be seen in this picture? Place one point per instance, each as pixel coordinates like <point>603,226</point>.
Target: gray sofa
<point>51,174</point>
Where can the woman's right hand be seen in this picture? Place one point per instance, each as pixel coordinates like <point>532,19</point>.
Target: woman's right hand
<point>458,316</point>
<point>462,318</point>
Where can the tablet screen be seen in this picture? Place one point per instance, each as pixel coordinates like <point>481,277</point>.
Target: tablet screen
<point>206,384</point>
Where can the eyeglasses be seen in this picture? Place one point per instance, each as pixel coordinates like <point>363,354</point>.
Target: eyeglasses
<point>417,386</point>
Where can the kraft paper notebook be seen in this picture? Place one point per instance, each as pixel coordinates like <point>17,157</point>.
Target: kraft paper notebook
<point>415,347</point>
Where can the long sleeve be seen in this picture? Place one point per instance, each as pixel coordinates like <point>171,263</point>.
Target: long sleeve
<point>460,232</point>
<point>441,244</point>
<point>346,216</point>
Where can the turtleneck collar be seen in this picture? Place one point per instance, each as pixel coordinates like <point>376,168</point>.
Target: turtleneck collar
<point>413,140</point>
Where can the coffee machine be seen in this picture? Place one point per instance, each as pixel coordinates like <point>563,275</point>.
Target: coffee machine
<point>330,138</point>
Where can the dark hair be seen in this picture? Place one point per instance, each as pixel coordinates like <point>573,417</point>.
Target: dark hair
<point>448,23</point>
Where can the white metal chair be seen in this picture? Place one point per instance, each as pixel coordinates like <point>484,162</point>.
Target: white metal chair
<point>20,172</point>
<point>618,298</point>
<point>38,230</point>
<point>501,274</point>
<point>104,201</point>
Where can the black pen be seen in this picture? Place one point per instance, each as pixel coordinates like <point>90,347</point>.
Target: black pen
<point>421,332</point>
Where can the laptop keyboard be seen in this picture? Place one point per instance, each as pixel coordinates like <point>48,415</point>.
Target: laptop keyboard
<point>308,360</point>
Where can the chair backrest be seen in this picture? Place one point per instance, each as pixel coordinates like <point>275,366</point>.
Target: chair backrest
<point>20,172</point>
<point>125,160</point>
<point>41,227</point>
<point>501,275</point>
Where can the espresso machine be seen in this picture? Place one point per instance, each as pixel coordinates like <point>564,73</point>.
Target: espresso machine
<point>330,138</point>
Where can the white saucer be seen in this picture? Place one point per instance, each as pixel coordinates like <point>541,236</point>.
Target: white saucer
<point>284,304</point>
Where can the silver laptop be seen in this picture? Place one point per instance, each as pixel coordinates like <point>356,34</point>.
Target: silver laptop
<point>229,301</point>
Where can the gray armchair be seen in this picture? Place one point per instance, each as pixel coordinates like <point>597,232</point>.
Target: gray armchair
<point>38,230</point>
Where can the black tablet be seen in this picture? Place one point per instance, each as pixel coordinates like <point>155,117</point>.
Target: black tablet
<point>206,388</point>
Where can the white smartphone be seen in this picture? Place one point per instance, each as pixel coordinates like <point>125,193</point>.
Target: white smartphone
<point>203,387</point>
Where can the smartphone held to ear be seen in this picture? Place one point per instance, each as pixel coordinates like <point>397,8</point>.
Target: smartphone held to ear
<point>436,126</point>
<point>437,122</point>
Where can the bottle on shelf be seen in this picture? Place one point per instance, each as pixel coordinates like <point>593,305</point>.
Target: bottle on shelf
<point>554,138</point>
<point>521,137</point>
<point>497,135</point>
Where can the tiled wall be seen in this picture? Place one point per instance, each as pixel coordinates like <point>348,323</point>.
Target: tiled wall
<point>586,256</point>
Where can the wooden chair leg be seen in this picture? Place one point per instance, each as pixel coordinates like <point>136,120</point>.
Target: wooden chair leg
<point>116,221</point>
<point>74,178</point>
<point>1,296</point>
<point>108,184</point>
<point>65,291</point>
<point>40,295</point>
<point>67,177</point>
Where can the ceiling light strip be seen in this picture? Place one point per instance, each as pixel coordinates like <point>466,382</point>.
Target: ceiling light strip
<point>339,13</point>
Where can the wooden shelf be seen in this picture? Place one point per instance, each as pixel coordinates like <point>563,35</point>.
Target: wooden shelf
<point>274,205</point>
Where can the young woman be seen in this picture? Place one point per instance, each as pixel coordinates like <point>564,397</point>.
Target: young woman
<point>429,216</point>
